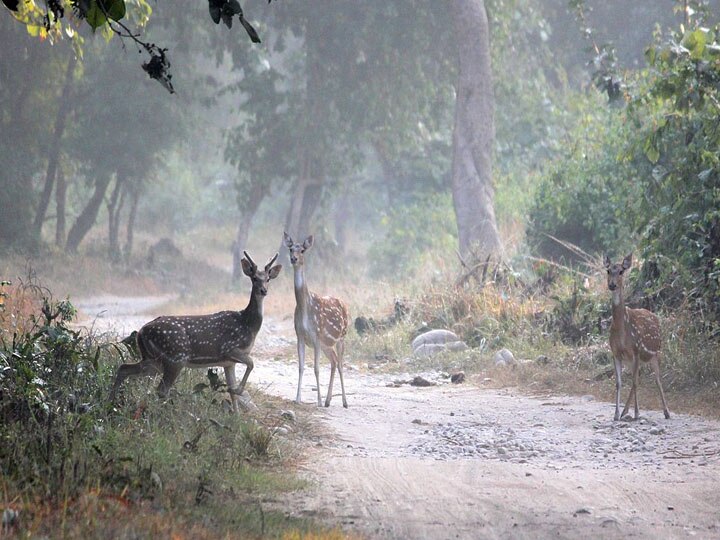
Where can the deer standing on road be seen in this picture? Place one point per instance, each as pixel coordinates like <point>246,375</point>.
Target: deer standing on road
<point>634,337</point>
<point>168,344</point>
<point>321,322</point>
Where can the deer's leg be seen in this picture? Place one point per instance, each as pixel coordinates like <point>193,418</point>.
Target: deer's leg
<point>655,363</point>
<point>132,370</point>
<point>618,386</point>
<point>330,353</point>
<point>301,366</point>
<point>171,370</point>
<point>636,385</point>
<point>231,382</point>
<point>340,353</point>
<point>237,356</point>
<point>633,391</point>
<point>316,366</point>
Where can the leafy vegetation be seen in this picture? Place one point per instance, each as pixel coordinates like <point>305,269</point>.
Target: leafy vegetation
<point>62,446</point>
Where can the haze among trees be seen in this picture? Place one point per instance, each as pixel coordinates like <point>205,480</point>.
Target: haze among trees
<point>464,165</point>
<point>411,123</point>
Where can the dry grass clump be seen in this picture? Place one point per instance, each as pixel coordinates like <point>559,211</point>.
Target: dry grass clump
<point>19,302</point>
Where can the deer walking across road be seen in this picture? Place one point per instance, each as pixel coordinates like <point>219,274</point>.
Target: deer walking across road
<point>224,339</point>
<point>321,322</point>
<point>634,337</point>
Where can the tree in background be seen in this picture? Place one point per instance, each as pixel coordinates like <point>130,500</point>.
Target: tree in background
<point>474,133</point>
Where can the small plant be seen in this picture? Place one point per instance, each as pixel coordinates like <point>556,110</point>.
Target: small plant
<point>258,438</point>
<point>50,385</point>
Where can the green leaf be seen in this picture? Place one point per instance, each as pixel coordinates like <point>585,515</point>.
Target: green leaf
<point>95,16</point>
<point>101,10</point>
<point>651,151</point>
<point>650,54</point>
<point>115,9</point>
<point>695,42</point>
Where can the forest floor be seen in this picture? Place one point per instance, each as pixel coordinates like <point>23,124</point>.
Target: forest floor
<point>461,461</point>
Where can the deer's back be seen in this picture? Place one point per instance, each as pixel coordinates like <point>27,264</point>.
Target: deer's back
<point>643,328</point>
<point>195,339</point>
<point>329,316</point>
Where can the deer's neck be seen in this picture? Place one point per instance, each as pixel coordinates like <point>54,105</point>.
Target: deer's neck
<point>618,309</point>
<point>302,295</point>
<point>254,311</point>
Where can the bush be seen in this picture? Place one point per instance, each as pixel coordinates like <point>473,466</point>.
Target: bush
<point>677,107</point>
<point>49,388</point>
<point>589,196</point>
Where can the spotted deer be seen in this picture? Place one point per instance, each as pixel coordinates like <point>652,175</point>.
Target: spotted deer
<point>634,337</point>
<point>321,322</point>
<point>223,339</point>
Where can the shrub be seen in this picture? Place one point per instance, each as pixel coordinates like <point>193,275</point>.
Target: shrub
<point>589,196</point>
<point>49,387</point>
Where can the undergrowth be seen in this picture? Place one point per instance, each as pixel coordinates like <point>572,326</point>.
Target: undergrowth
<point>556,324</point>
<point>72,465</point>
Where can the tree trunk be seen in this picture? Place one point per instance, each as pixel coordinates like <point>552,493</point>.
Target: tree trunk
<point>60,199</point>
<point>343,212</point>
<point>64,108</point>
<point>304,202</point>
<point>114,207</point>
<point>130,232</point>
<point>257,194</point>
<point>17,193</point>
<point>311,177</point>
<point>87,217</point>
<point>474,134</point>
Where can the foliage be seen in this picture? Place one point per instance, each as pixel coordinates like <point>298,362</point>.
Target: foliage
<point>677,109</point>
<point>412,230</point>
<point>589,195</point>
<point>107,16</point>
<point>48,390</point>
<point>77,467</point>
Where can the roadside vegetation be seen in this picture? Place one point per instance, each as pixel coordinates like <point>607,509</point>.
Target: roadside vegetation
<point>74,465</point>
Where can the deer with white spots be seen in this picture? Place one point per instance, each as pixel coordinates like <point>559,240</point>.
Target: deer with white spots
<point>223,339</point>
<point>634,338</point>
<point>321,322</point>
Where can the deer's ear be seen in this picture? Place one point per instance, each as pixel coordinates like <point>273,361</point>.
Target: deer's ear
<point>247,267</point>
<point>627,261</point>
<point>288,241</point>
<point>275,271</point>
<point>607,262</point>
<point>307,244</point>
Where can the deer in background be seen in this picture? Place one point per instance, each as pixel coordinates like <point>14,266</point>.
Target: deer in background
<point>634,337</point>
<point>321,322</point>
<point>168,344</point>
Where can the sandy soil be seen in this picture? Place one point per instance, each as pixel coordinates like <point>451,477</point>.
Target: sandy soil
<point>459,461</point>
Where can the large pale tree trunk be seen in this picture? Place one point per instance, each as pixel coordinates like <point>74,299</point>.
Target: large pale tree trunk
<point>474,134</point>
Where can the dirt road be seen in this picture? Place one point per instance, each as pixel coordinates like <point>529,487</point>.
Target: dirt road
<point>458,461</point>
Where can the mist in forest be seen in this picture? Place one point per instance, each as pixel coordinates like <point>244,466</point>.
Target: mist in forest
<point>347,122</point>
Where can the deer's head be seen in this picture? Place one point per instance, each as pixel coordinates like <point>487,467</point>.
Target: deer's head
<point>297,250</point>
<point>260,278</point>
<point>615,271</point>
